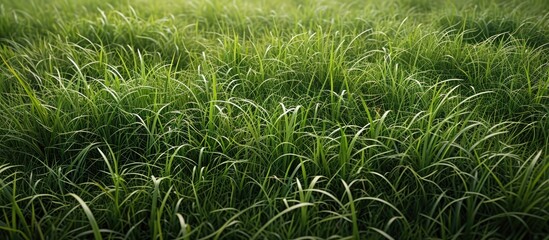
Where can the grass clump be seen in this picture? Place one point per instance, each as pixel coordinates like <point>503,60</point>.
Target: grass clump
<point>273,119</point>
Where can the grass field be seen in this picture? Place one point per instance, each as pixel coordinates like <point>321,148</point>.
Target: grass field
<point>274,119</point>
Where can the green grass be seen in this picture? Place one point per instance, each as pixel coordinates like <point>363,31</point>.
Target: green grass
<point>222,119</point>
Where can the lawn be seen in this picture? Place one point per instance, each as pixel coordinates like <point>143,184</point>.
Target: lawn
<point>274,119</point>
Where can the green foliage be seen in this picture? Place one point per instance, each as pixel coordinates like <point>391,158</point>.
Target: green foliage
<point>222,119</point>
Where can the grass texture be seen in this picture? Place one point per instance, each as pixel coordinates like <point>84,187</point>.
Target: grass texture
<point>264,119</point>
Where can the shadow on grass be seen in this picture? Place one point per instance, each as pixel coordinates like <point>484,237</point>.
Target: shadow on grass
<point>476,30</point>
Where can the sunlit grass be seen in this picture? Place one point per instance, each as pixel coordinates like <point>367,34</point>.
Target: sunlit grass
<point>404,119</point>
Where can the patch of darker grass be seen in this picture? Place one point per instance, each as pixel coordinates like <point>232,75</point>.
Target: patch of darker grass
<point>479,29</point>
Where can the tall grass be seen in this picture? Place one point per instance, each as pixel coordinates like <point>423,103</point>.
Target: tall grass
<point>401,119</point>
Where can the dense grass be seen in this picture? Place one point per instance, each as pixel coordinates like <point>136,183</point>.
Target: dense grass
<point>405,119</point>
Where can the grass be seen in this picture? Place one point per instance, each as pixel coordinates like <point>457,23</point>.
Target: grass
<point>404,119</point>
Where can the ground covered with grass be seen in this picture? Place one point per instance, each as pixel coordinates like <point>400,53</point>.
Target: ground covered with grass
<point>263,119</point>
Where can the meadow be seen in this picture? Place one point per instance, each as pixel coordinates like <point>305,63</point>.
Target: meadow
<point>274,119</point>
